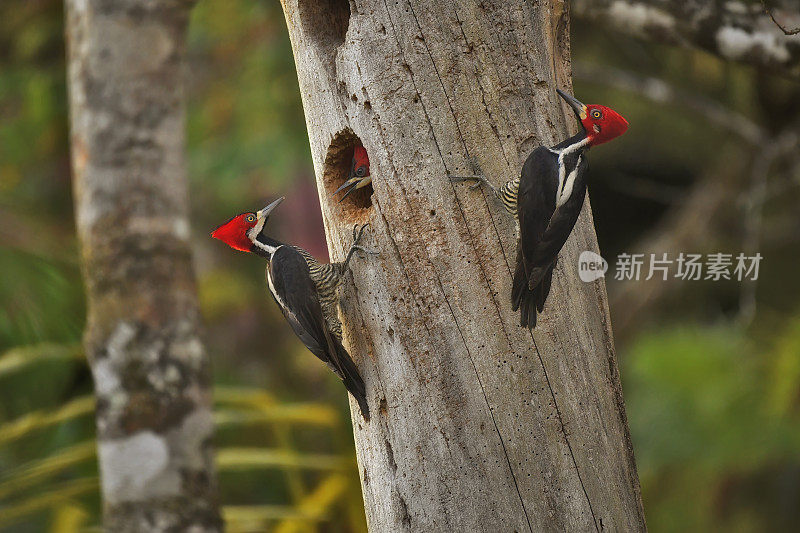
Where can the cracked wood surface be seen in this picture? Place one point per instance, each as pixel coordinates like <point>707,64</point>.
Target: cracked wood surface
<point>151,373</point>
<point>478,424</point>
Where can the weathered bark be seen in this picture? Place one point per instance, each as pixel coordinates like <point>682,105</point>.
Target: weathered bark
<point>478,425</point>
<point>131,202</point>
<point>733,29</point>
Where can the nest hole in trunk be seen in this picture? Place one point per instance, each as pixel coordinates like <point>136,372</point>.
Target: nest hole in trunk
<point>325,22</point>
<point>338,163</point>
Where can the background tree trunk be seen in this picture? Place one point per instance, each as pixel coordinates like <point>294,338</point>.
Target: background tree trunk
<point>151,372</point>
<point>478,425</point>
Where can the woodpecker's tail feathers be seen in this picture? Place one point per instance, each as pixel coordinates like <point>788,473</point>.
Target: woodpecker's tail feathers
<point>530,301</point>
<point>545,289</point>
<point>362,404</point>
<point>537,275</point>
<point>348,371</point>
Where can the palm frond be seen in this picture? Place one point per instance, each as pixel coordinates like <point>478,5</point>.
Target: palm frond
<point>69,518</point>
<point>235,408</point>
<point>256,518</point>
<point>30,474</point>
<point>23,357</point>
<point>66,491</point>
<point>317,504</point>
<point>42,419</point>
<point>270,410</point>
<point>309,414</point>
<point>233,459</point>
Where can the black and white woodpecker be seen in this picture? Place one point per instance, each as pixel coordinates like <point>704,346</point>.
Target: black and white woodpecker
<point>305,290</point>
<point>546,200</point>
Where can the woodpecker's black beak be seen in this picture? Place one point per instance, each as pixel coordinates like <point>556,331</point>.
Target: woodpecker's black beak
<point>352,182</point>
<point>574,103</point>
<point>264,213</point>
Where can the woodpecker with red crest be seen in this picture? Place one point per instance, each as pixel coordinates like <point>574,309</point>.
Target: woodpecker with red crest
<point>359,173</point>
<point>546,200</point>
<point>304,289</point>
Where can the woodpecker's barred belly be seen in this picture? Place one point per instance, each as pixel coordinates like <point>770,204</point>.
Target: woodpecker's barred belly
<point>327,277</point>
<point>508,194</point>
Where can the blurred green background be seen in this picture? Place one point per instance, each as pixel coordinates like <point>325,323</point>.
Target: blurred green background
<point>711,371</point>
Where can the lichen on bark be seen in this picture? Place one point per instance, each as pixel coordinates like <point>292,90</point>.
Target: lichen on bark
<point>151,372</point>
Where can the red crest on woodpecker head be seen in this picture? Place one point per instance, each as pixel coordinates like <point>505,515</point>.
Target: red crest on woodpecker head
<point>234,232</point>
<point>360,159</point>
<point>602,124</point>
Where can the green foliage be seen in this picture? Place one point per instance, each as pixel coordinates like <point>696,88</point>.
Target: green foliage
<point>713,409</point>
<point>49,499</point>
<point>245,119</point>
<point>47,446</point>
<point>783,399</point>
<point>705,429</point>
<point>42,299</point>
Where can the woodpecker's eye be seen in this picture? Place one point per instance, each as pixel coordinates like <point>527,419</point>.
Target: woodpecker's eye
<point>250,218</point>
<point>596,114</point>
<point>360,171</point>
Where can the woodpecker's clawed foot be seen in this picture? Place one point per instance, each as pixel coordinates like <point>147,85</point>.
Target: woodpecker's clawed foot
<point>365,250</point>
<point>479,183</point>
<point>357,234</point>
<point>478,178</point>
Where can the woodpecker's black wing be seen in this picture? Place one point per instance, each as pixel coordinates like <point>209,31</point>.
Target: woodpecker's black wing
<point>558,229</point>
<point>544,228</point>
<point>296,295</point>
<point>535,206</point>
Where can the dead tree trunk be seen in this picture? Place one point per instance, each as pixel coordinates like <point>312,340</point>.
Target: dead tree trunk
<point>478,425</point>
<point>151,372</point>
